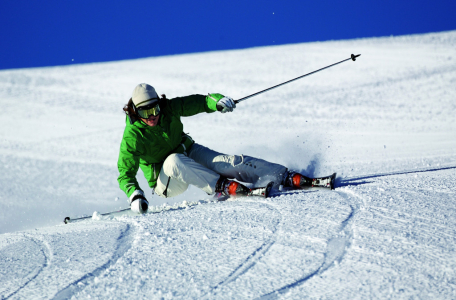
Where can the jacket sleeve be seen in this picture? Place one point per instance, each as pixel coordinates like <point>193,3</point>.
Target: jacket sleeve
<point>128,164</point>
<point>194,104</point>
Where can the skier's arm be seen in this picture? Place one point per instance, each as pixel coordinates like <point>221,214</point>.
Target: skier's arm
<point>195,104</point>
<point>128,164</point>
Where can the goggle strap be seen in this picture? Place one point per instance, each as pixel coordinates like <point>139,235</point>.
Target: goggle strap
<point>147,100</point>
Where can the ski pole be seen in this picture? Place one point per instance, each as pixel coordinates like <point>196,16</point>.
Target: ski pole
<point>68,219</point>
<point>352,57</point>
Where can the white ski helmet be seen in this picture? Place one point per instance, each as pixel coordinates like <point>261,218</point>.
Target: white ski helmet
<point>144,94</point>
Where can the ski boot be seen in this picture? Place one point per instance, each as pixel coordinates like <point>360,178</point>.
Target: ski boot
<point>228,187</point>
<point>299,181</point>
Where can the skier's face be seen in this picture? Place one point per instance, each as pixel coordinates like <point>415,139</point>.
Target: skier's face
<point>152,120</point>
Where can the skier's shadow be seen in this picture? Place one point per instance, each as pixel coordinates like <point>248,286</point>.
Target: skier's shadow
<point>278,193</point>
<point>350,182</point>
<point>341,182</point>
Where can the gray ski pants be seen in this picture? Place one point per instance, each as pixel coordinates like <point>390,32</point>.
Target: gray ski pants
<point>203,167</point>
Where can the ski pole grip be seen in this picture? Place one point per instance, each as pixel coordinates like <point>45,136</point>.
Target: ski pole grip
<point>66,220</point>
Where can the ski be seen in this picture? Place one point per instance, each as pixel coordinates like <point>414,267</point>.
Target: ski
<point>324,182</point>
<point>261,191</point>
<point>318,183</point>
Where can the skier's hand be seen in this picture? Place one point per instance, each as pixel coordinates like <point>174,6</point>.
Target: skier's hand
<point>138,202</point>
<point>226,104</point>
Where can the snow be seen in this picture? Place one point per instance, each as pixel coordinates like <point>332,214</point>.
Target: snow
<point>385,123</point>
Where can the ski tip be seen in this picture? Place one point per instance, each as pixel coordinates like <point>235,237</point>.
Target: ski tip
<point>222,197</point>
<point>333,181</point>
<point>66,220</point>
<point>268,189</point>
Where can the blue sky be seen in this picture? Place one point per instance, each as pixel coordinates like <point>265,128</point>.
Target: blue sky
<point>49,33</point>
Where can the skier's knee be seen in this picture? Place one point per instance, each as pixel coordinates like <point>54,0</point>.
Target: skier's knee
<point>172,164</point>
<point>172,158</point>
<point>237,160</point>
<point>228,160</point>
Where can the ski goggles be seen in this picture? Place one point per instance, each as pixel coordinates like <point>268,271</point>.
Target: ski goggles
<point>149,110</point>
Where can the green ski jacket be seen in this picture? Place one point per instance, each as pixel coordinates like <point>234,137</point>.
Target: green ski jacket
<point>147,147</point>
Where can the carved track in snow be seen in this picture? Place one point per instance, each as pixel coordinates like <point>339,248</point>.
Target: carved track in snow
<point>124,242</point>
<point>256,255</point>
<point>335,249</point>
<point>46,253</point>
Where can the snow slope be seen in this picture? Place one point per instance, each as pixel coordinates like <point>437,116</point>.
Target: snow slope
<point>385,123</point>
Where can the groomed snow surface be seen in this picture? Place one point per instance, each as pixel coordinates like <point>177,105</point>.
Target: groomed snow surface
<point>385,123</point>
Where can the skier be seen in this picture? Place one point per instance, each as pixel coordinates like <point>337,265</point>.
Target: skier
<point>154,141</point>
